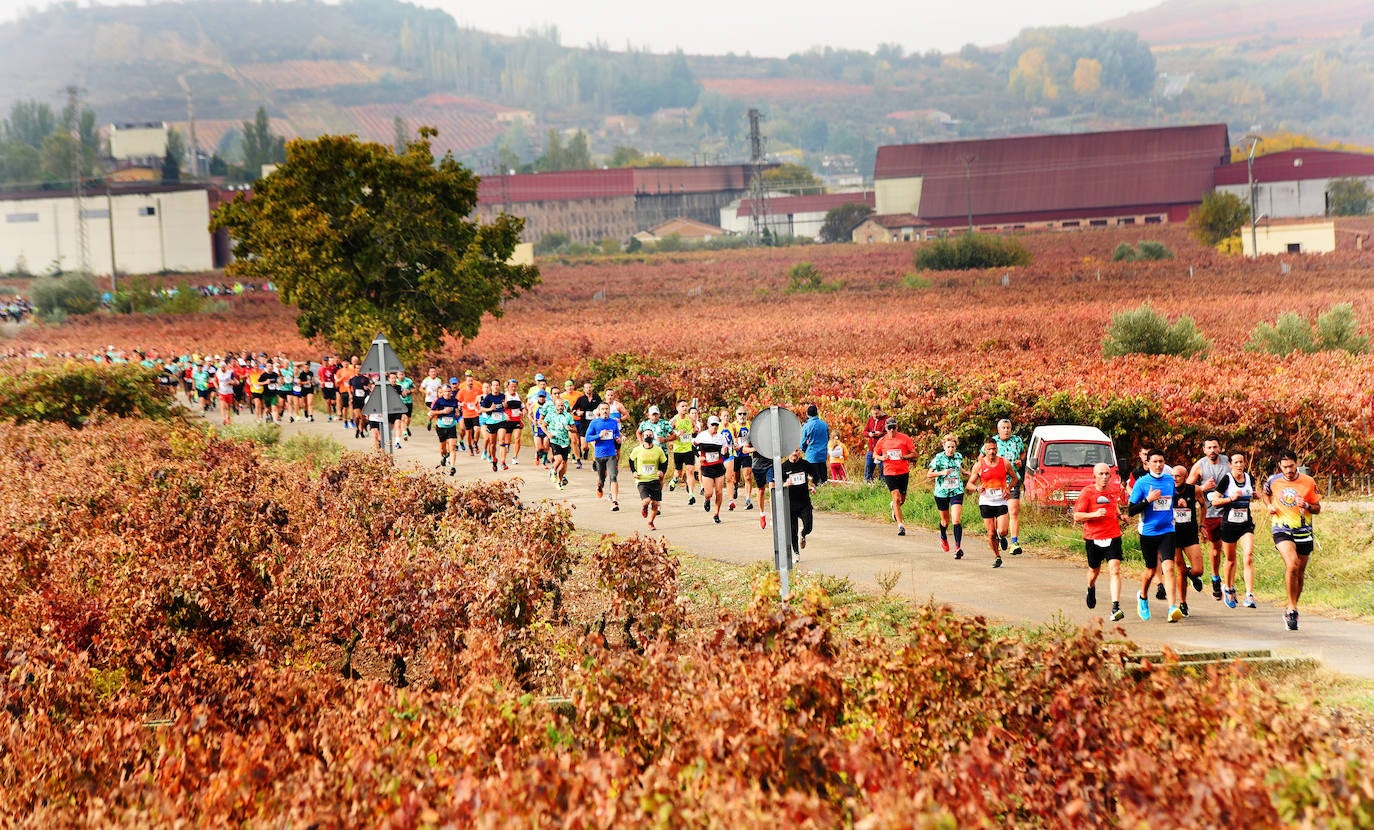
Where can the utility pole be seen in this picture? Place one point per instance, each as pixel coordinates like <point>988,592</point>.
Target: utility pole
<point>192,156</point>
<point>1254,217</point>
<point>968,185</point>
<point>78,157</point>
<point>758,193</point>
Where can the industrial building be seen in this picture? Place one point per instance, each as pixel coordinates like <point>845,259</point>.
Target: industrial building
<point>785,215</point>
<point>1102,179</point>
<point>591,205</point>
<point>138,229</point>
<point>1294,183</point>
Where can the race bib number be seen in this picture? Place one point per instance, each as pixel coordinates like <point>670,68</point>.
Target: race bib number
<point>1162,504</point>
<point>606,435</point>
<point>796,479</point>
<point>712,457</point>
<point>1103,543</point>
<point>296,388</point>
<point>1182,516</point>
<point>1238,515</point>
<point>993,493</point>
<point>271,387</point>
<point>951,476</point>
<point>649,469</point>
<point>894,455</point>
<point>360,393</point>
<point>329,384</point>
<point>447,421</point>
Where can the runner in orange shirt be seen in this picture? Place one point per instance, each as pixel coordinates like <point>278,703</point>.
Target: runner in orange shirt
<point>1293,500</point>
<point>896,451</point>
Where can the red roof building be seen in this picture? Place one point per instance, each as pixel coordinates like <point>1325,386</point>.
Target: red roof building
<point>1294,183</point>
<point>1120,176</point>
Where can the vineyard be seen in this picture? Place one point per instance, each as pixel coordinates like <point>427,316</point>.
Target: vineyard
<point>197,634</point>
<point>953,353</point>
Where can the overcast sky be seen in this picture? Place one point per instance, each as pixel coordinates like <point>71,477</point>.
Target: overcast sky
<point>765,29</point>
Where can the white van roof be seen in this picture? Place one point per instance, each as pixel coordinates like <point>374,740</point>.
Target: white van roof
<point>1070,432</point>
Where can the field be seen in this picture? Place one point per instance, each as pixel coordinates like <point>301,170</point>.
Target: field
<point>204,635</point>
<point>953,353</point>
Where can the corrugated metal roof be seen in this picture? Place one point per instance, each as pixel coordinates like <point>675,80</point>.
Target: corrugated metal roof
<point>1282,167</point>
<point>817,203</point>
<point>1082,171</point>
<point>610,183</point>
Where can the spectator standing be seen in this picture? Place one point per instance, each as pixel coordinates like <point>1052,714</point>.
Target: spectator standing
<point>873,430</point>
<point>815,444</point>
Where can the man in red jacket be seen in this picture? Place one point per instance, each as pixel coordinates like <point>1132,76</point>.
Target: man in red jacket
<point>873,430</point>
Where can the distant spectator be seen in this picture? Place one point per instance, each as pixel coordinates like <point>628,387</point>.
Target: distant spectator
<point>815,444</point>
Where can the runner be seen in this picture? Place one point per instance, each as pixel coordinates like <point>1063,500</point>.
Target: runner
<point>896,451</point>
<point>304,391</point>
<point>1209,470</point>
<point>514,425</point>
<point>224,381</point>
<point>712,447</point>
<point>541,436</point>
<point>684,459</point>
<point>1293,500</point>
<point>327,388</point>
<point>659,426</point>
<point>947,471</point>
<point>444,413</point>
<point>469,397</point>
<point>1013,449</point>
<point>584,409</point>
<point>740,466</point>
<point>604,433</point>
<point>1234,493</point>
<point>989,477</point>
<point>256,390</point>
<point>342,375</point>
<point>570,396</point>
<point>429,387</point>
<point>1186,538</point>
<point>359,386</point>
<point>649,463</point>
<point>493,408</point>
<point>1152,499</point>
<point>761,471</point>
<point>406,387</point>
<point>838,456</point>
<point>800,516</point>
<point>1099,509</point>
<point>558,423</point>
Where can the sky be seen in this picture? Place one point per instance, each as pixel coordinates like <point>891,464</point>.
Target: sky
<point>763,29</point>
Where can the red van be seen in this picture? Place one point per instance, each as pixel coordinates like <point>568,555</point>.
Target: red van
<point>1060,460</point>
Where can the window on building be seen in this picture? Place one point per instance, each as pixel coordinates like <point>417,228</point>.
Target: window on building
<point>95,213</point>
<point>1072,224</point>
<point>1154,220</point>
<point>1129,220</point>
<point>1097,223</point>
<point>1294,247</point>
<point>147,210</point>
<point>21,217</point>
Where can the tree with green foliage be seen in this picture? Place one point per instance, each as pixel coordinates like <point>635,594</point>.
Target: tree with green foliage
<point>58,295</point>
<point>260,145</point>
<point>1146,331</point>
<point>575,155</point>
<point>1220,216</point>
<point>1349,197</point>
<point>361,239</point>
<point>796,179</point>
<point>841,220</point>
<point>1336,329</point>
<point>971,250</point>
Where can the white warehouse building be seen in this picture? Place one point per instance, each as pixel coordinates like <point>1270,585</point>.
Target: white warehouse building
<point>146,229</point>
<point>1294,183</point>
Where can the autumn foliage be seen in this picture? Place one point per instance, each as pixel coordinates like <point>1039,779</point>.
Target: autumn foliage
<point>198,635</point>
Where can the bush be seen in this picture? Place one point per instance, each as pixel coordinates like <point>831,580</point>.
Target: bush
<point>1152,251</point>
<point>54,297</point>
<point>1220,215</point>
<point>1349,197</point>
<point>805,277</point>
<point>1146,331</point>
<point>1124,253</point>
<point>1336,330</point>
<point>552,242</point>
<point>971,250</point>
<point>71,393</point>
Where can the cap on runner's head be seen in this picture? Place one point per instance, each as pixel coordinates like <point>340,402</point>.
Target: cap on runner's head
<point>653,410</point>
<point>512,380</point>
<point>541,396</point>
<point>713,421</point>
<point>538,377</point>
<point>453,380</point>
<point>569,383</point>
<point>467,374</point>
<point>891,423</point>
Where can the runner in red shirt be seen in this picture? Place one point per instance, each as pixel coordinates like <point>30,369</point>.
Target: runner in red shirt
<point>328,386</point>
<point>896,450</point>
<point>1099,509</point>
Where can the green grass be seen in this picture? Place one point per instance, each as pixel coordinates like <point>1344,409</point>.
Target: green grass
<point>264,435</point>
<point>317,451</point>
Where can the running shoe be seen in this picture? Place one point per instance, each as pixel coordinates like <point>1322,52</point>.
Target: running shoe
<point>1091,598</point>
<point>901,530</point>
<point>644,511</point>
<point>651,526</point>
<point>803,542</point>
<point>600,492</point>
<point>443,462</point>
<point>997,563</point>
<point>1160,593</point>
<point>944,544</point>
<point>691,501</point>
<point>1216,588</point>
<point>1142,607</point>
<point>763,521</point>
<point>732,505</point>
<point>563,481</point>
<point>398,445</point>
<point>748,505</point>
<point>1175,614</point>
<point>1197,584</point>
<point>1015,550</point>
<point>1230,597</point>
<point>959,554</point>
<point>615,507</point>
<point>1118,615</point>
<point>707,506</point>
<point>505,466</point>
<point>1250,601</point>
<point>515,461</point>
<point>1183,606</point>
<point>717,519</point>
<point>453,471</point>
<point>494,466</point>
<point>672,485</point>
<point>1290,619</point>
<point>1002,542</point>
<point>579,465</point>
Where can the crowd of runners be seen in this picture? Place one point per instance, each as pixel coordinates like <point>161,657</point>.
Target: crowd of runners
<point>704,455</point>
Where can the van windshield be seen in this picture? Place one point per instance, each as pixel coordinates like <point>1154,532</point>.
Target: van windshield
<point>1078,454</point>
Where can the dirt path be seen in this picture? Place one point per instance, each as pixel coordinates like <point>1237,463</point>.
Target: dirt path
<point>1028,589</point>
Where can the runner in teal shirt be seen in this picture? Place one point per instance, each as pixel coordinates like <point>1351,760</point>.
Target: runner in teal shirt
<point>1013,449</point>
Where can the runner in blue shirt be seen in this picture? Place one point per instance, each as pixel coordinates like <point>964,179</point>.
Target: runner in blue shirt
<point>1152,499</point>
<point>604,434</point>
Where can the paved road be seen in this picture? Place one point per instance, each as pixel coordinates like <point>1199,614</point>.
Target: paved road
<point>1028,589</point>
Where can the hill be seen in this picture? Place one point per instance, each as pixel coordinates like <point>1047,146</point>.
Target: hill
<point>1194,22</point>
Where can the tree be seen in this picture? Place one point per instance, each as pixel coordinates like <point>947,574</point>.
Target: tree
<point>792,178</point>
<point>171,161</point>
<point>1146,331</point>
<point>1221,215</point>
<point>361,239</point>
<point>29,123</point>
<point>260,145</point>
<point>839,221</point>
<point>1349,197</point>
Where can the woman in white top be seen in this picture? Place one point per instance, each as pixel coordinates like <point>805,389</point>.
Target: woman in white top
<point>1233,495</point>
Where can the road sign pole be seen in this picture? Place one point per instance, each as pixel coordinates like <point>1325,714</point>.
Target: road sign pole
<point>382,360</point>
